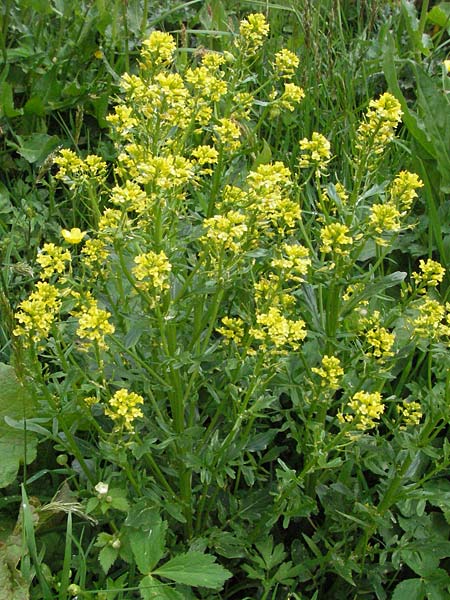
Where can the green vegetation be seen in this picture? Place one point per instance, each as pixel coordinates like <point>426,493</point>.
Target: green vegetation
<point>225,321</point>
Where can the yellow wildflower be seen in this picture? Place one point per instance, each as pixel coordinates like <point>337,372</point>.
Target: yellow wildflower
<point>37,313</point>
<point>158,49</point>
<point>232,330</point>
<point>253,30</point>
<point>123,409</point>
<point>335,239</point>
<point>330,372</point>
<point>152,272</point>
<point>93,324</point>
<point>315,152</point>
<point>278,331</point>
<point>367,409</point>
<point>286,62</point>
<point>411,413</point>
<point>432,274</point>
<point>403,189</point>
<point>379,124</point>
<point>74,236</point>
<point>52,259</point>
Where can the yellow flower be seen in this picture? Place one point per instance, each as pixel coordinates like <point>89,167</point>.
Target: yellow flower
<point>315,152</point>
<point>37,313</point>
<point>411,413</point>
<point>378,127</point>
<point>152,272</point>
<point>403,189</point>
<point>123,408</point>
<point>432,274</point>
<point>74,236</point>
<point>447,65</point>
<point>367,409</point>
<point>52,259</point>
<point>330,372</point>
<point>93,324</point>
<point>286,63</point>
<point>253,30</point>
<point>232,330</point>
<point>335,239</point>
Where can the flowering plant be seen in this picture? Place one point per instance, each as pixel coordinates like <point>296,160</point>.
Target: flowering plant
<point>220,349</point>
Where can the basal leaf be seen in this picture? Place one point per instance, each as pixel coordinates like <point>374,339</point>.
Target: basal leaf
<point>148,544</point>
<point>409,589</point>
<point>195,568</point>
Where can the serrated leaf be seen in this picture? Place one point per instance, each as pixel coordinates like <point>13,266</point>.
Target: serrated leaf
<point>410,589</point>
<point>15,403</point>
<point>148,545</point>
<point>106,557</point>
<point>196,569</point>
<point>152,589</point>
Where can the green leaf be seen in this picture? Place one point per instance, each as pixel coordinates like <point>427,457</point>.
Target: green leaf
<point>148,545</point>
<point>7,101</point>
<point>440,15</point>
<point>106,557</point>
<point>15,446</point>
<point>194,568</point>
<point>410,589</point>
<point>36,147</point>
<point>152,589</point>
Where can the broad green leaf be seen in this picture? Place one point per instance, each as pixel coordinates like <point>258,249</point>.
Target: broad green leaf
<point>410,589</point>
<point>440,15</point>
<point>194,568</point>
<point>148,545</point>
<point>36,147</point>
<point>15,446</point>
<point>106,557</point>
<point>7,101</point>
<point>152,589</point>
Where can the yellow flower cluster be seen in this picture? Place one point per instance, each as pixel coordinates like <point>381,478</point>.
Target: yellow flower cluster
<point>123,409</point>
<point>295,263</point>
<point>335,239</point>
<point>367,409</point>
<point>268,197</point>
<point>158,49</point>
<point>52,259</point>
<point>316,152</point>
<point>403,189</point>
<point>232,329</point>
<point>93,324</point>
<point>330,372</point>
<point>432,320</point>
<point>384,218</point>
<point>378,127</point>
<point>74,171</point>
<point>228,133</point>
<point>226,231</point>
<point>278,333</point>
<point>432,274</point>
<point>152,272</point>
<point>37,313</point>
<point>411,413</point>
<point>286,63</point>
<point>381,341</point>
<point>253,31</point>
<point>94,252</point>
